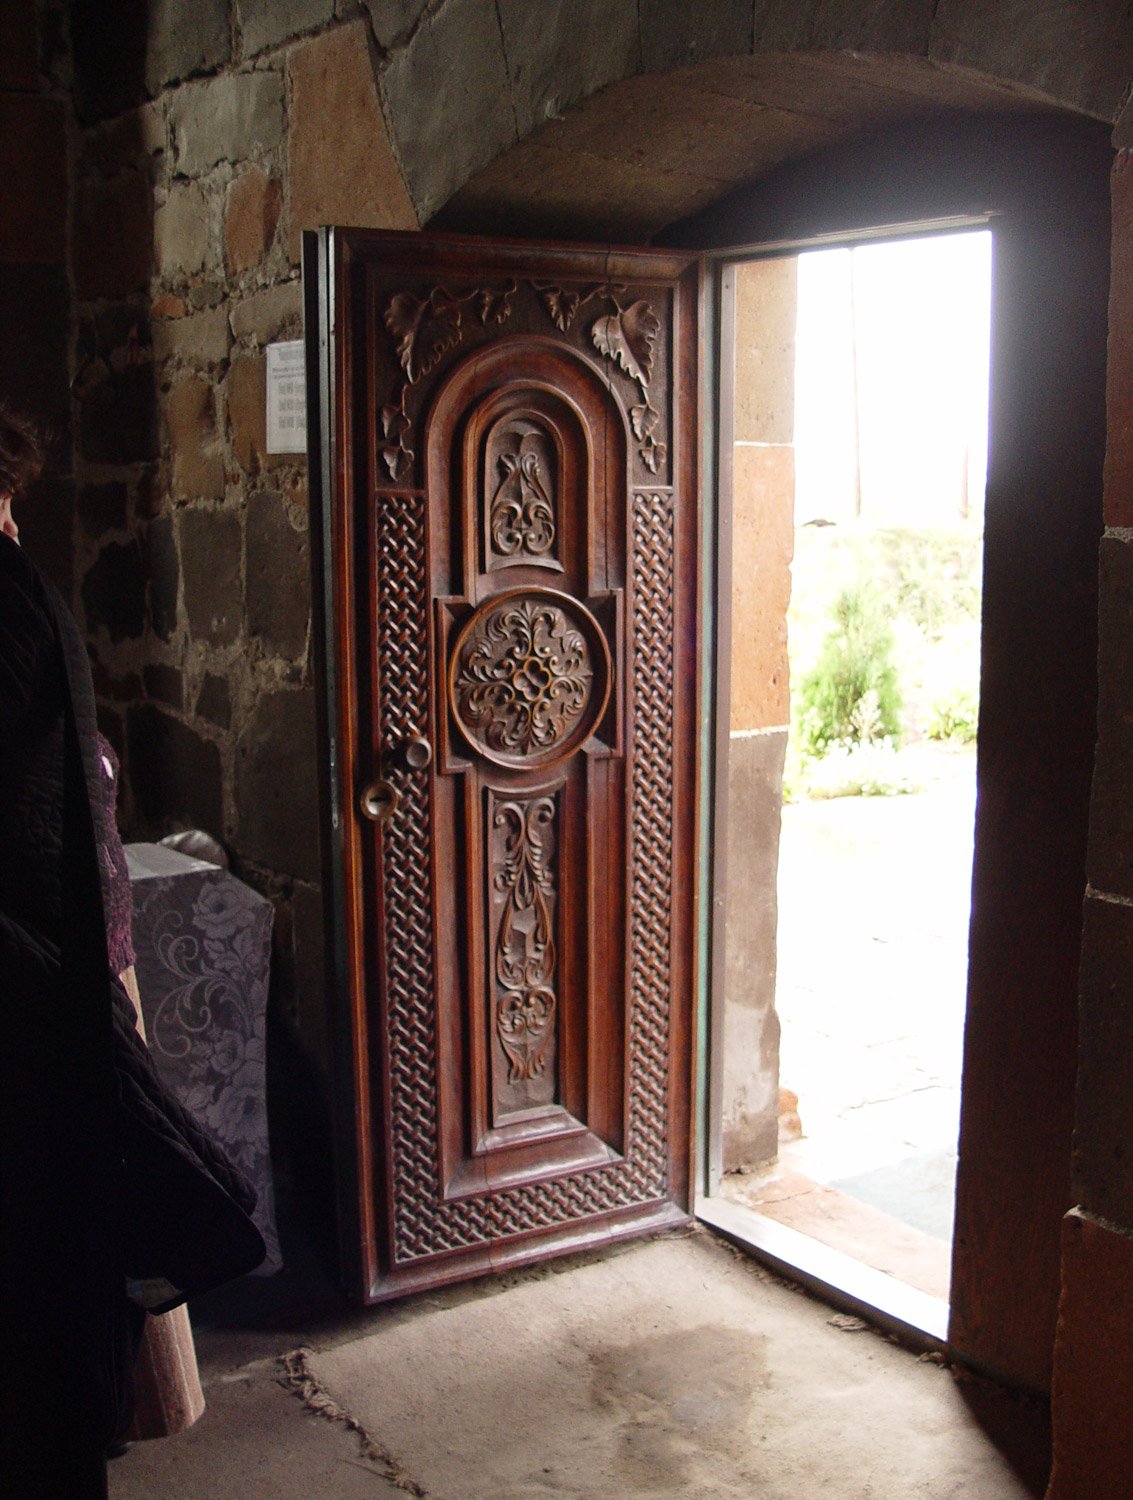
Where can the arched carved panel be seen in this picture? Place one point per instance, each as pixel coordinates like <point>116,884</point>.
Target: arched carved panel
<point>522,494</point>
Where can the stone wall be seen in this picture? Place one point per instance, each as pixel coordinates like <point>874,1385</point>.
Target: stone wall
<point>1093,1382</point>
<point>200,160</point>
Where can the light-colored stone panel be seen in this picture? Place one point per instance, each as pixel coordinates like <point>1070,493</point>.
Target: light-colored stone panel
<point>342,167</point>
<point>201,339</point>
<point>267,23</point>
<point>763,537</point>
<point>750,1039</point>
<point>181,232</point>
<point>449,97</point>
<point>276,312</point>
<point>766,312</point>
<point>230,118</point>
<point>1080,52</point>
<point>562,50</point>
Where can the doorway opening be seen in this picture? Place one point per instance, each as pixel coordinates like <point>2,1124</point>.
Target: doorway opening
<point>854,403</point>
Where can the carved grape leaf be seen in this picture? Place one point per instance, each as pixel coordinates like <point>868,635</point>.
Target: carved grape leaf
<point>562,305</point>
<point>628,336</point>
<point>395,454</point>
<point>495,306</point>
<point>423,329</point>
<point>643,419</point>
<point>653,454</point>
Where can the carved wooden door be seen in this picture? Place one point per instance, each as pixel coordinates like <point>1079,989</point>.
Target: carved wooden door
<point>509,513</point>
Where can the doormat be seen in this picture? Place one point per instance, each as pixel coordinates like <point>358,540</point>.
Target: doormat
<point>673,1368</point>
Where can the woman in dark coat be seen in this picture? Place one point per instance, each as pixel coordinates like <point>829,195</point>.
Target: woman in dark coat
<point>112,1201</point>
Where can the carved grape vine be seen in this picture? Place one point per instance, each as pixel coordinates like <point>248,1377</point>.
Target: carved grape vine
<point>628,336</point>
<point>423,330</point>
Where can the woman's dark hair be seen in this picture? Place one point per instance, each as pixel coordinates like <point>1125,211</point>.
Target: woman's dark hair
<point>21,451</point>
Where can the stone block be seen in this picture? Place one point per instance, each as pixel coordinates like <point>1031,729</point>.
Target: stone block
<point>164,577</point>
<point>197,468</point>
<point>1109,861</point>
<point>342,166</point>
<point>246,393</point>
<point>121,688</point>
<point>211,547</point>
<point>900,26</point>
<point>185,39</point>
<point>268,315</point>
<point>1092,1392</point>
<point>276,785</point>
<point>181,232</point>
<point>231,118</point>
<point>766,313</point>
<point>449,97</point>
<point>1118,483</point>
<point>114,591</point>
<point>763,537</point>
<point>750,1023</point>
<point>165,683</point>
<point>102,507</point>
<point>267,23</point>
<point>563,50</point>
<point>674,34</point>
<point>174,773</point>
<point>1079,54</point>
<point>112,264</point>
<point>278,578</point>
<point>201,339</point>
<point>214,701</point>
<point>1103,1127</point>
<point>251,216</point>
<point>394,20</point>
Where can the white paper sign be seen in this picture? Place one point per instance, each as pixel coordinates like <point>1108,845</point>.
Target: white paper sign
<point>287,398</point>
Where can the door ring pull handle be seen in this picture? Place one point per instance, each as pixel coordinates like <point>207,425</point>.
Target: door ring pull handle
<point>378,801</point>
<point>417,753</point>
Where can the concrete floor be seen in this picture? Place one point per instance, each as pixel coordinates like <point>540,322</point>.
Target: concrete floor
<point>667,1368</point>
<point>873,1017</point>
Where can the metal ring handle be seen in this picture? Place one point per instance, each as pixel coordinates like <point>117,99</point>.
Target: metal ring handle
<point>378,801</point>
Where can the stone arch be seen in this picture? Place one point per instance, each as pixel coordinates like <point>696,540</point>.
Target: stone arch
<point>624,84</point>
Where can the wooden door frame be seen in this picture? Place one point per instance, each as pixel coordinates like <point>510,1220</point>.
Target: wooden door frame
<point>340,594</point>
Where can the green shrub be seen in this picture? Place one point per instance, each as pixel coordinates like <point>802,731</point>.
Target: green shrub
<point>954,717</point>
<point>850,695</point>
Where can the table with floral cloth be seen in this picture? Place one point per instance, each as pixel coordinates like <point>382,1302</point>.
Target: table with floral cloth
<point>203,941</point>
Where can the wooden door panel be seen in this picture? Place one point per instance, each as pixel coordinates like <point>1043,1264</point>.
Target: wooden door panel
<point>515,531</point>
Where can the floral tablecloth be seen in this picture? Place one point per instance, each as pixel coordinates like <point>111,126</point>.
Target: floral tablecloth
<point>203,942</point>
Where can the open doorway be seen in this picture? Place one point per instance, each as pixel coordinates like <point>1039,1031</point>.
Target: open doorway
<point>854,383</point>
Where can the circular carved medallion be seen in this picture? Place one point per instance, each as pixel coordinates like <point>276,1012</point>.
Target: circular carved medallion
<point>529,677</point>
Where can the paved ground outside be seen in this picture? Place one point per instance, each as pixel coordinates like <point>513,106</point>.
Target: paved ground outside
<point>874,900</point>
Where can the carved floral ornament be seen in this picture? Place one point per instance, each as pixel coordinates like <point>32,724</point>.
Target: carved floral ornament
<point>521,512</point>
<point>525,946</point>
<point>529,677</point>
<point>424,329</point>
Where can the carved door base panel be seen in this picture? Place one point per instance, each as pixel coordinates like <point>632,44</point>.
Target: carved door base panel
<point>510,547</point>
